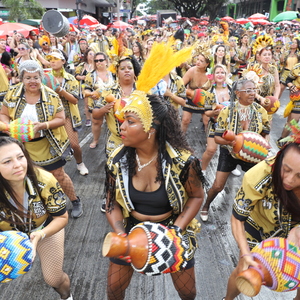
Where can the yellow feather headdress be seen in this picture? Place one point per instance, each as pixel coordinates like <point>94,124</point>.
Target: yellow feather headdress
<point>263,41</point>
<point>117,53</point>
<point>161,61</point>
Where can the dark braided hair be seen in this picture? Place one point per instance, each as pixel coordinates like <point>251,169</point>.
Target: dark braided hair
<point>168,129</point>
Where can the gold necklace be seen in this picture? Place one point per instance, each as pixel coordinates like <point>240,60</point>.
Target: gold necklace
<point>140,167</point>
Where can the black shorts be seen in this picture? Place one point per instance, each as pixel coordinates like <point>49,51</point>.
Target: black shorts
<point>227,163</point>
<point>192,108</point>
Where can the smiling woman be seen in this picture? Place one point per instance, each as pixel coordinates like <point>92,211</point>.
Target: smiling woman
<point>243,114</point>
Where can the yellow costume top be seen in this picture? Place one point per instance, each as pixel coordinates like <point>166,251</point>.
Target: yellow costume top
<point>258,206</point>
<point>56,145</point>
<point>53,202</point>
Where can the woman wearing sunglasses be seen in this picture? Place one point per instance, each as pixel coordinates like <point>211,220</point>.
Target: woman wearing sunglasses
<point>25,53</point>
<point>243,114</point>
<point>98,79</point>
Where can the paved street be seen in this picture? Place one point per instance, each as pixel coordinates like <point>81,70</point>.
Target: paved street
<point>215,259</point>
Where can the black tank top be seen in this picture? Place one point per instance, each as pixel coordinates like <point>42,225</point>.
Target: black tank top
<point>150,203</point>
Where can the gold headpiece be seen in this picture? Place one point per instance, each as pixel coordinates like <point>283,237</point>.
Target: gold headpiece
<point>216,37</point>
<point>160,62</point>
<point>263,41</point>
<point>253,72</point>
<point>202,48</point>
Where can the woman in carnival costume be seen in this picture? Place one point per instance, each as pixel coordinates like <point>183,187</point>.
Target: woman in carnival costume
<point>50,147</point>
<point>154,154</point>
<point>99,78</point>
<point>267,205</point>
<point>69,95</point>
<point>242,114</point>
<point>32,201</point>
<point>196,78</point>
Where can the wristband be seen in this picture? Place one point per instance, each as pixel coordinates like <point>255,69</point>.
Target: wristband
<point>47,125</point>
<point>176,228</point>
<point>247,254</point>
<point>42,233</point>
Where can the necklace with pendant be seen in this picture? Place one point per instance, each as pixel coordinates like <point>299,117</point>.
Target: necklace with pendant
<point>140,167</point>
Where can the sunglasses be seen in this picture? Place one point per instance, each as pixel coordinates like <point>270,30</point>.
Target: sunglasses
<point>249,91</point>
<point>22,49</point>
<point>98,29</point>
<point>99,60</point>
<point>44,44</point>
<point>219,43</point>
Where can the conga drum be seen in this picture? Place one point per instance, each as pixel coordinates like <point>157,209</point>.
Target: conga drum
<point>271,105</point>
<point>249,146</point>
<point>154,248</point>
<point>20,129</point>
<point>55,23</point>
<point>279,260</point>
<point>197,96</point>
<point>16,255</point>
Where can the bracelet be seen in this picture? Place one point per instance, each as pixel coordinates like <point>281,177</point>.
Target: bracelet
<point>247,254</point>
<point>42,233</point>
<point>47,125</point>
<point>176,228</point>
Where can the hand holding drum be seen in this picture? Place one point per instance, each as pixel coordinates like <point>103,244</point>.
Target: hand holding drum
<point>279,260</point>
<point>153,248</point>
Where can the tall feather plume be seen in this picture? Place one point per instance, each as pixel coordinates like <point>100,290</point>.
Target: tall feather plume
<point>160,62</point>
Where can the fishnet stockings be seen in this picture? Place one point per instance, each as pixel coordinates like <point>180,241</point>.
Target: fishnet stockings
<point>51,253</point>
<point>184,283</point>
<point>118,279</point>
<point>65,182</point>
<point>73,137</point>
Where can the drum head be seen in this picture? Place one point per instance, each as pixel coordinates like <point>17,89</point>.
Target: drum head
<point>55,23</point>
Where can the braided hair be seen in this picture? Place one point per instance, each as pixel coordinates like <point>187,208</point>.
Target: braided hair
<point>166,122</point>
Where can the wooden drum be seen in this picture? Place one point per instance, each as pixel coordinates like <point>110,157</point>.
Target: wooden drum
<point>280,268</point>
<point>154,248</point>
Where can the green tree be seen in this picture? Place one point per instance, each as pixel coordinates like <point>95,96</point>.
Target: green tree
<point>155,5</point>
<point>134,4</point>
<point>23,9</point>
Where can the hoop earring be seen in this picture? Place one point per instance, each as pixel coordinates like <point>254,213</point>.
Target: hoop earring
<point>149,135</point>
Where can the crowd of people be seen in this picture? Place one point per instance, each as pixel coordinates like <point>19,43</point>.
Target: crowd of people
<point>225,72</point>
